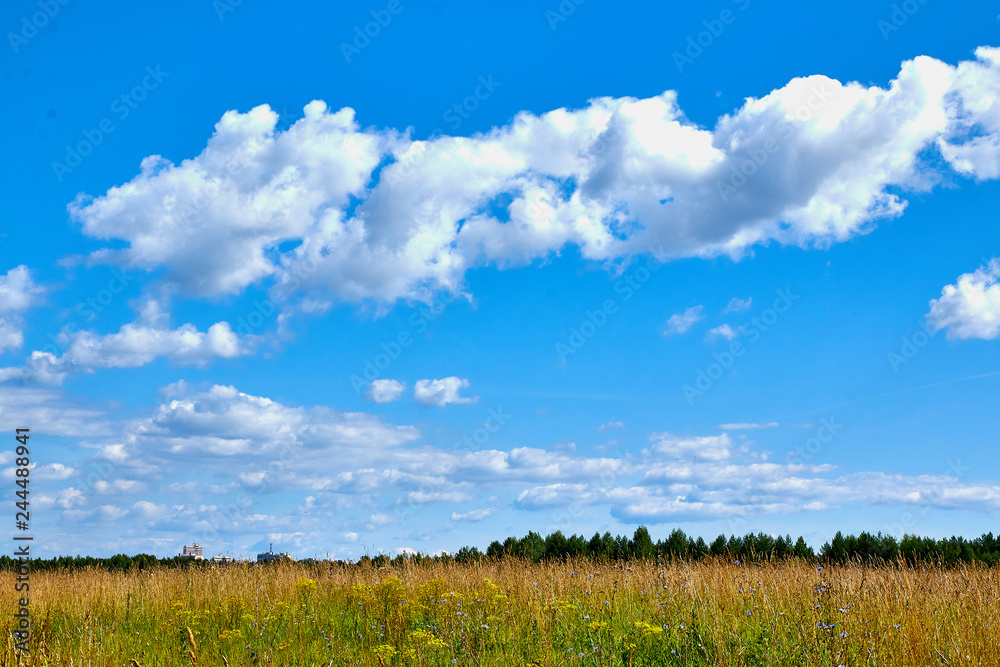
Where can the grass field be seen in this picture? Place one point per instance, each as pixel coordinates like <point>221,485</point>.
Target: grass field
<point>514,613</point>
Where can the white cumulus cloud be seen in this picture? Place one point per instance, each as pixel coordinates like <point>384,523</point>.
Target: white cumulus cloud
<point>302,209</point>
<point>971,307</point>
<point>441,392</point>
<point>385,391</point>
<point>134,344</point>
<point>712,448</point>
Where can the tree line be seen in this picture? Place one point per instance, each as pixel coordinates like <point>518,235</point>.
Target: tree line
<point>751,548</point>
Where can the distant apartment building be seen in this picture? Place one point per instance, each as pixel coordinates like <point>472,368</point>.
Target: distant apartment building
<point>193,551</point>
<point>223,559</point>
<point>269,555</point>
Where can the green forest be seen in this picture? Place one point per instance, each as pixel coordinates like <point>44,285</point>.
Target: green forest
<point>750,548</point>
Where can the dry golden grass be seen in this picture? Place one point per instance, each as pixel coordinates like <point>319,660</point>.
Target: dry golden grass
<point>514,613</point>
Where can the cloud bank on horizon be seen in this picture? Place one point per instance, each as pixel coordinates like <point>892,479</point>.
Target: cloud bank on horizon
<point>228,452</point>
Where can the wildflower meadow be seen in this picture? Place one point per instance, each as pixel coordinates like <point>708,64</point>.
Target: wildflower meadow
<point>511,611</point>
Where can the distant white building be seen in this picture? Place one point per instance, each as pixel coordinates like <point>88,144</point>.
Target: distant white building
<point>269,555</point>
<point>193,551</point>
<point>223,559</point>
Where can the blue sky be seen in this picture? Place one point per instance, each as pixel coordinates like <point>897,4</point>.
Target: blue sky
<point>488,269</point>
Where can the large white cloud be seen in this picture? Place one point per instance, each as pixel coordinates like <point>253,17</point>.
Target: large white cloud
<point>213,220</point>
<point>971,307</point>
<point>357,213</point>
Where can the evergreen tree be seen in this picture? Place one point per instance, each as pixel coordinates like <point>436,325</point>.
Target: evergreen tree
<point>642,544</point>
<point>802,550</point>
<point>495,550</point>
<point>677,543</point>
<point>556,546</point>
<point>532,546</point>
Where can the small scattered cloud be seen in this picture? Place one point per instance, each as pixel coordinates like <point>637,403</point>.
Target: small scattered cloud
<point>737,305</point>
<point>682,322</point>
<point>724,331</point>
<point>474,515</point>
<point>745,426</point>
<point>610,425</point>
<point>711,447</point>
<point>441,392</point>
<point>385,391</point>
